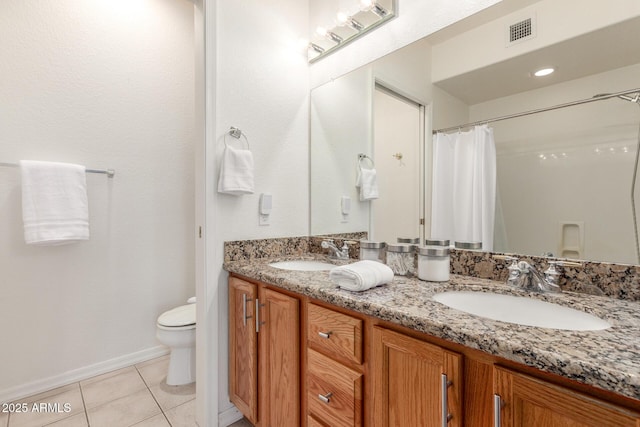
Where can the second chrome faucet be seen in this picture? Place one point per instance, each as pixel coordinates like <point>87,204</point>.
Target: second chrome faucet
<point>523,275</point>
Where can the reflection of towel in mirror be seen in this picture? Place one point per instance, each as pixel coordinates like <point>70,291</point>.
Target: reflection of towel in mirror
<point>361,275</point>
<point>236,172</point>
<point>55,208</point>
<point>367,180</point>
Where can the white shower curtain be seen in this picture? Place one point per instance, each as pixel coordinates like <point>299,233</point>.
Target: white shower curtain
<point>464,186</point>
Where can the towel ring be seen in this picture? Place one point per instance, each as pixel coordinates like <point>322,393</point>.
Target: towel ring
<point>362,157</point>
<point>236,133</point>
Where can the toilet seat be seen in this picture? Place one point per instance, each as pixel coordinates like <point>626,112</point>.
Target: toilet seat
<point>179,318</point>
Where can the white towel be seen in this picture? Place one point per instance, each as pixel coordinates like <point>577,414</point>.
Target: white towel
<point>236,172</point>
<point>367,180</point>
<point>361,275</point>
<point>55,209</point>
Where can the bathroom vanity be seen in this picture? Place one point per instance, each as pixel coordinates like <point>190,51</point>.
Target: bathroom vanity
<point>303,352</point>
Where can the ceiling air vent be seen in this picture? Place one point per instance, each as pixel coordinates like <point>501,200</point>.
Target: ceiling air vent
<point>521,31</point>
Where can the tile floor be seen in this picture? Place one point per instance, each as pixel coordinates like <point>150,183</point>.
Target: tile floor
<point>134,396</point>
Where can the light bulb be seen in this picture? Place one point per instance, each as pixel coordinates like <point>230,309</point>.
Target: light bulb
<point>342,18</point>
<point>366,4</point>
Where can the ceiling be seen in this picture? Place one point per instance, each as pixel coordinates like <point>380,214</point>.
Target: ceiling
<point>606,49</point>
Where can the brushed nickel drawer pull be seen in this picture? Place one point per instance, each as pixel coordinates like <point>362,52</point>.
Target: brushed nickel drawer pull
<point>445,384</point>
<point>325,397</point>
<point>326,335</point>
<point>497,406</point>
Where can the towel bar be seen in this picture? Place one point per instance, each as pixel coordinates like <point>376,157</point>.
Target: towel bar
<point>109,172</point>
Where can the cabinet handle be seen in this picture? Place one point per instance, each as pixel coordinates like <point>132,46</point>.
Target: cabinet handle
<point>497,414</point>
<point>326,335</point>
<point>244,309</point>
<point>325,397</point>
<point>258,322</point>
<point>446,416</point>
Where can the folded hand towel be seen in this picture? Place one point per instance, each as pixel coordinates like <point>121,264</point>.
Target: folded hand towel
<point>55,209</point>
<point>361,275</point>
<point>367,180</point>
<point>236,172</point>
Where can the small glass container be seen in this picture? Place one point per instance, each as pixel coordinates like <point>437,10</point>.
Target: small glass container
<point>470,246</point>
<point>371,250</point>
<point>433,264</point>
<point>400,257</point>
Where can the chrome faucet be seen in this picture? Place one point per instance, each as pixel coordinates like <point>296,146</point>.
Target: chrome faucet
<point>524,276</point>
<point>530,279</point>
<point>342,253</point>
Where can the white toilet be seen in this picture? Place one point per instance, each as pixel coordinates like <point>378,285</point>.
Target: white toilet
<point>177,330</point>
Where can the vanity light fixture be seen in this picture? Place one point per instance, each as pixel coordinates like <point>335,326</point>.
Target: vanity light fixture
<point>342,18</point>
<point>316,48</point>
<point>374,7</point>
<point>323,32</point>
<point>348,26</point>
<point>544,72</point>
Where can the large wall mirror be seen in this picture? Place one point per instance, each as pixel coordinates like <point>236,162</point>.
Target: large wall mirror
<point>564,177</point>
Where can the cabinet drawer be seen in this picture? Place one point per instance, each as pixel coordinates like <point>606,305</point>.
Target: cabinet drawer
<point>334,393</point>
<point>336,334</point>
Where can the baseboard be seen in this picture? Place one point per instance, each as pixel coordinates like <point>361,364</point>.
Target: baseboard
<point>229,416</point>
<point>80,374</point>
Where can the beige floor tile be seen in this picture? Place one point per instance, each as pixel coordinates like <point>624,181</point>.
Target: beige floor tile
<point>111,388</point>
<point>52,392</point>
<point>79,420</point>
<point>125,411</point>
<point>183,415</point>
<point>171,396</point>
<point>49,409</point>
<point>107,375</point>
<point>157,421</point>
<point>155,373</point>
<point>151,361</point>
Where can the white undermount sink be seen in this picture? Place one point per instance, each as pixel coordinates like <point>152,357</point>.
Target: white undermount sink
<point>302,265</point>
<point>521,311</point>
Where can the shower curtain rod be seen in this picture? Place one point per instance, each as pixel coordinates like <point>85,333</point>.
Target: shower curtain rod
<point>109,172</point>
<point>539,110</point>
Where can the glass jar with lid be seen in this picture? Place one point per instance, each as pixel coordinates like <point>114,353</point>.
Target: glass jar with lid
<point>374,251</point>
<point>433,264</point>
<point>400,258</point>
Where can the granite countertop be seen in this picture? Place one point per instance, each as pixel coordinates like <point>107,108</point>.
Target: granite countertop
<point>607,359</point>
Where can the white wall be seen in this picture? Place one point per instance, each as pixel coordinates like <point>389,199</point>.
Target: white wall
<point>262,88</point>
<point>341,128</point>
<point>108,84</point>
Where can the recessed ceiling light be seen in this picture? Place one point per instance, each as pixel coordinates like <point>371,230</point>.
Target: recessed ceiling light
<point>544,72</point>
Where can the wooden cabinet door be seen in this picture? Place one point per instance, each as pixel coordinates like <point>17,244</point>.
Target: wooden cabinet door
<point>529,402</point>
<point>408,382</point>
<point>279,335</point>
<point>243,348</point>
